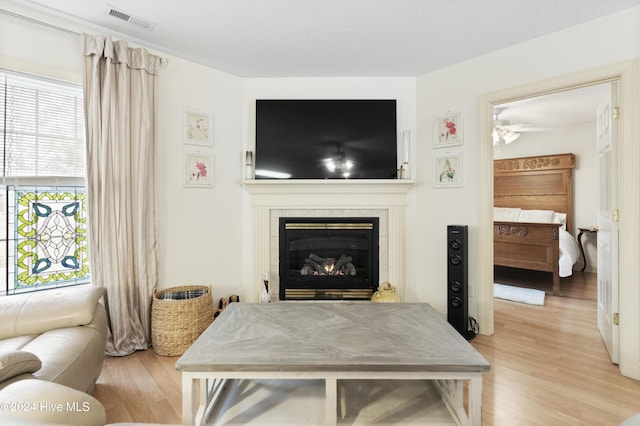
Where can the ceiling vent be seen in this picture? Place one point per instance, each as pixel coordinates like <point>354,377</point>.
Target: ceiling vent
<point>127,17</point>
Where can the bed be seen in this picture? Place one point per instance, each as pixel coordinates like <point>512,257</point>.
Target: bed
<point>533,200</point>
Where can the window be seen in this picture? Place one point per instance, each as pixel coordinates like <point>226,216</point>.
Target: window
<point>43,235</point>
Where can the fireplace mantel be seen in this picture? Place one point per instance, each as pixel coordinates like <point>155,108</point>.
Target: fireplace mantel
<point>365,190</point>
<point>394,185</point>
<point>271,199</point>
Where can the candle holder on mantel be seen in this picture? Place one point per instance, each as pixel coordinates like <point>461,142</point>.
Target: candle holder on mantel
<point>405,172</point>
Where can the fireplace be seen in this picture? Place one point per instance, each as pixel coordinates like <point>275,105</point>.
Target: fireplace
<point>328,258</point>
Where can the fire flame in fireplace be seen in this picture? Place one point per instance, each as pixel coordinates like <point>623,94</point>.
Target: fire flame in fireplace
<point>316,265</point>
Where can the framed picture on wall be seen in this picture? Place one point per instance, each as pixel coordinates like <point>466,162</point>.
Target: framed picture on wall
<point>198,170</point>
<point>197,127</point>
<point>447,130</point>
<point>447,170</point>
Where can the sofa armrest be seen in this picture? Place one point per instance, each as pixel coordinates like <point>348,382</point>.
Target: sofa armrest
<point>39,401</point>
<point>35,313</point>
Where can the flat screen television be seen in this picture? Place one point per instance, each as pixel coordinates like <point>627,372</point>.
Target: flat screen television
<point>326,139</point>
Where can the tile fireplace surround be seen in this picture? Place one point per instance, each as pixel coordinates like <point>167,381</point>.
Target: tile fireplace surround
<point>273,199</point>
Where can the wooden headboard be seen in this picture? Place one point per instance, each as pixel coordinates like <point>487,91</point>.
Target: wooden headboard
<point>535,183</point>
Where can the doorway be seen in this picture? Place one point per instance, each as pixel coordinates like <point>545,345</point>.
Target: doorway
<point>628,76</point>
<point>554,124</point>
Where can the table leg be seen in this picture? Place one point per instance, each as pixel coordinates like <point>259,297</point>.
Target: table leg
<point>331,403</point>
<point>475,401</point>
<point>188,399</point>
<point>206,388</point>
<point>204,392</point>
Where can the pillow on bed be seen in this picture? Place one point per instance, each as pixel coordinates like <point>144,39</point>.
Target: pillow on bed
<point>542,216</point>
<point>506,214</point>
<point>560,218</point>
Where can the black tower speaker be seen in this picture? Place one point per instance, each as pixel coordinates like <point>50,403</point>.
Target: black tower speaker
<point>457,277</point>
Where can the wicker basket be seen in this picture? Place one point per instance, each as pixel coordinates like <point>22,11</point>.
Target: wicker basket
<point>178,316</point>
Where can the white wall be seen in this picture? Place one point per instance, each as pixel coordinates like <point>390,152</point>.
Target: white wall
<point>200,228</point>
<point>458,88</point>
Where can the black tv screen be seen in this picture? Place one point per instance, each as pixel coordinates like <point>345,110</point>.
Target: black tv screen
<point>326,139</point>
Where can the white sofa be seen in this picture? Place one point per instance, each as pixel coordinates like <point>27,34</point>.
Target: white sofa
<point>52,348</point>
<point>43,403</point>
<point>65,328</point>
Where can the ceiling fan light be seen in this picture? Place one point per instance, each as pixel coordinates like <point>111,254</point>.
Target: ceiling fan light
<point>339,164</point>
<point>496,137</point>
<point>510,137</point>
<point>330,165</point>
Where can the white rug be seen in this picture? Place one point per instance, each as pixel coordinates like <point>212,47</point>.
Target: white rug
<point>518,294</point>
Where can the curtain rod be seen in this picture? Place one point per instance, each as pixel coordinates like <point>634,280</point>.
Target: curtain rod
<point>163,61</point>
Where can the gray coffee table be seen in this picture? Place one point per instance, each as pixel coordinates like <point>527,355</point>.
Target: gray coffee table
<point>332,342</point>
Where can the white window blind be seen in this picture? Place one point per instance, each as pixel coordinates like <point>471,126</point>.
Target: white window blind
<point>42,126</point>
<point>42,161</point>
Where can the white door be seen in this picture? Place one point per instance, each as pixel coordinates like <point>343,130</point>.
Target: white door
<point>608,223</point>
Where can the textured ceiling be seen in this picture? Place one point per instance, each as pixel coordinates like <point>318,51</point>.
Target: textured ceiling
<point>359,38</point>
<point>321,38</point>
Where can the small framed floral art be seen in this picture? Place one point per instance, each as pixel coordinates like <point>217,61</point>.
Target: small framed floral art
<point>447,170</point>
<point>198,128</point>
<point>447,130</point>
<point>198,170</point>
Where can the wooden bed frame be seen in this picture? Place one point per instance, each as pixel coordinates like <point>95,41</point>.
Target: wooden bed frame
<point>532,183</point>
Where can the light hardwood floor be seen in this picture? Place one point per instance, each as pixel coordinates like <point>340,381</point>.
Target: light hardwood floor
<point>548,367</point>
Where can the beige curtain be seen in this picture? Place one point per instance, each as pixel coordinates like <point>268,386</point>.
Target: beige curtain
<point>120,111</point>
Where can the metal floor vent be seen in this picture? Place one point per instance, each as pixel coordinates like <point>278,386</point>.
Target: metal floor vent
<point>127,17</point>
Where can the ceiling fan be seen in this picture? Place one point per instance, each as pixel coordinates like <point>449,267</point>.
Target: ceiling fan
<point>339,162</point>
<point>504,132</point>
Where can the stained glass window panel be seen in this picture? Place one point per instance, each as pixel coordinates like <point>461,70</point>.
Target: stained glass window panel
<point>50,228</point>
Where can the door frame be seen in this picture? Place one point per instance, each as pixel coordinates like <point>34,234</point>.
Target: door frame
<point>627,74</point>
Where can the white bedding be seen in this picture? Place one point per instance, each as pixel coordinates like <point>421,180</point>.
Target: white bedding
<point>569,253</point>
